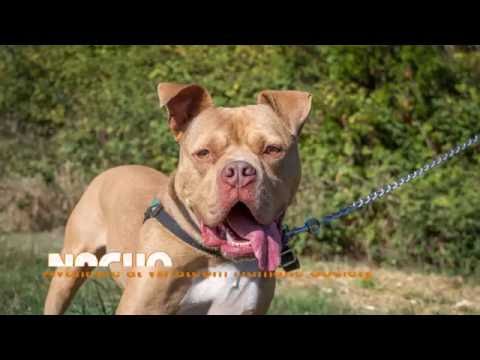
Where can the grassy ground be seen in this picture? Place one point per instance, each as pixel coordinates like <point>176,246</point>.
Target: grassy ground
<point>388,291</point>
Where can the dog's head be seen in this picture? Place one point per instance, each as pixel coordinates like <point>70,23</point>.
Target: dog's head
<point>239,168</point>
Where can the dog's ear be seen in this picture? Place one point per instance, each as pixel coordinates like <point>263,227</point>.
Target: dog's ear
<point>291,106</point>
<point>183,103</point>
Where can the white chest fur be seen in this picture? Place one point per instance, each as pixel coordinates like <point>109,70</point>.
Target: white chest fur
<point>230,294</point>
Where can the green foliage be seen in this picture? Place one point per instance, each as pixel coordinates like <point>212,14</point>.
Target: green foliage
<point>378,112</point>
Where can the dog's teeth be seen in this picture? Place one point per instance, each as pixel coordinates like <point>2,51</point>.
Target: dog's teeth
<point>229,236</point>
<point>232,239</point>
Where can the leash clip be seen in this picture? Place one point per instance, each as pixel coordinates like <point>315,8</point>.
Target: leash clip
<point>312,226</point>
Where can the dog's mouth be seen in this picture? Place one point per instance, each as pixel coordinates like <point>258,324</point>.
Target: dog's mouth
<point>240,235</point>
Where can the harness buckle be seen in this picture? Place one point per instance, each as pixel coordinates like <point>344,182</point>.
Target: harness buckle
<point>153,210</point>
<point>289,260</point>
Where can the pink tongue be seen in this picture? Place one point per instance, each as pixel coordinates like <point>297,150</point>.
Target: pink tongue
<point>265,239</point>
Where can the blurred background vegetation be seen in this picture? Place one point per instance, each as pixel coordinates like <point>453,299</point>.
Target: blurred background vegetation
<point>69,112</point>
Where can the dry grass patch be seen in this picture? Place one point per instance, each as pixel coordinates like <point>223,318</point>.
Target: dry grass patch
<point>390,291</point>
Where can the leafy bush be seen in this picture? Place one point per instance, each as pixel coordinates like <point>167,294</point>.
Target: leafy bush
<point>378,113</point>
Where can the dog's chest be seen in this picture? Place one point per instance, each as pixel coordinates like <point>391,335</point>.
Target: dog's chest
<point>236,293</point>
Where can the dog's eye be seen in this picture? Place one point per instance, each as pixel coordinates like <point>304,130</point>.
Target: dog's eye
<point>202,154</point>
<point>272,150</point>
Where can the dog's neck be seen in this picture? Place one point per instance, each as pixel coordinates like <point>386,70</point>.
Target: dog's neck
<point>177,208</point>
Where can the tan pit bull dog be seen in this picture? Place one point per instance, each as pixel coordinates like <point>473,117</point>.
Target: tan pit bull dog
<point>238,171</point>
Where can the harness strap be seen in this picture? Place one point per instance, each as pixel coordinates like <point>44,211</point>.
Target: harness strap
<point>157,211</point>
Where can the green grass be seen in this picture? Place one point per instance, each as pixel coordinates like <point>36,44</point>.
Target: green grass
<point>368,283</point>
<point>307,302</point>
<point>23,259</point>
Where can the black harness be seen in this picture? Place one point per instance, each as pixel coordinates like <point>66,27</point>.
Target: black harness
<point>289,261</point>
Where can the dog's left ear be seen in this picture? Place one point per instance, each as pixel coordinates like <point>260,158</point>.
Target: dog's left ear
<point>183,103</point>
<point>292,106</point>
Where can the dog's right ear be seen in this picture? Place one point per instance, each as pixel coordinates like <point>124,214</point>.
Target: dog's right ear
<point>183,103</point>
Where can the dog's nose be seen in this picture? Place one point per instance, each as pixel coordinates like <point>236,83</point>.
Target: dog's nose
<point>239,173</point>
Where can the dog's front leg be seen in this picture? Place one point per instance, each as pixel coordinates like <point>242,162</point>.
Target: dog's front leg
<point>159,289</point>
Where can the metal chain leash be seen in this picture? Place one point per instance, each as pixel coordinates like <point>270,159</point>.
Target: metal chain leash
<point>313,225</point>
